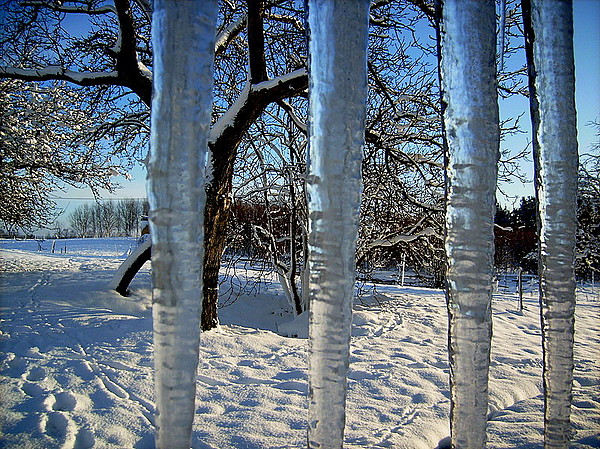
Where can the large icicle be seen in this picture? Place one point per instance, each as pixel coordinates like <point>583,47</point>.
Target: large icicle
<point>338,89</point>
<point>183,41</point>
<point>549,32</point>
<point>468,43</point>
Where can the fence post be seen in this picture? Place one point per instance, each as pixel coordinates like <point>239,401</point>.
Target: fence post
<point>520,288</point>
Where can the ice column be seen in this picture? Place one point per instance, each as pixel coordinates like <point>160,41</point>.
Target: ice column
<point>467,68</point>
<point>183,35</point>
<point>338,90</point>
<point>552,85</point>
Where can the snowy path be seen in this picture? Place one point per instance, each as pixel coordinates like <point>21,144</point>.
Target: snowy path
<point>76,366</point>
<point>68,360</point>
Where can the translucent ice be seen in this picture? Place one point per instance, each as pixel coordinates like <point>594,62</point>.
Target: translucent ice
<point>472,133</point>
<point>338,89</point>
<point>183,36</point>
<point>552,80</point>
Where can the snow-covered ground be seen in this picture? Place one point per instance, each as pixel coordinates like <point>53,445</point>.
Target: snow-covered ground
<point>76,362</point>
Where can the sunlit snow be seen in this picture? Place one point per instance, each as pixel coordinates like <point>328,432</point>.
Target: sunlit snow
<point>76,361</point>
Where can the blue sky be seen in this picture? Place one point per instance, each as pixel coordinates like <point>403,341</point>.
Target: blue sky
<point>586,17</point>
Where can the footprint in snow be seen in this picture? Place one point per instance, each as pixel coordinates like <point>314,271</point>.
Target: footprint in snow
<point>84,439</point>
<point>56,425</point>
<point>211,409</point>
<point>291,374</point>
<point>360,375</point>
<point>114,388</point>
<point>293,386</point>
<point>585,381</point>
<point>210,381</point>
<point>16,367</point>
<point>37,373</point>
<point>83,370</point>
<point>63,401</point>
<point>32,389</point>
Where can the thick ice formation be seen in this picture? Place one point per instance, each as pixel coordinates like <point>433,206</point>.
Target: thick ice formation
<point>338,90</point>
<point>468,75</point>
<point>556,165</point>
<point>183,41</point>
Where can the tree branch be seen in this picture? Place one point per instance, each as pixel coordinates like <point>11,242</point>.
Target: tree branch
<point>229,34</point>
<point>375,138</point>
<point>59,73</point>
<point>56,6</point>
<point>256,42</point>
<point>132,73</point>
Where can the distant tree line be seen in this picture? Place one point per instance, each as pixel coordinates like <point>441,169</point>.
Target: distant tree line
<point>263,233</point>
<point>516,233</point>
<point>515,237</point>
<point>120,218</point>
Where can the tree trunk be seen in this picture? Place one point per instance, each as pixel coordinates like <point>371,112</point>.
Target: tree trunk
<point>223,148</point>
<point>293,272</point>
<point>472,133</point>
<point>225,137</point>
<point>216,219</point>
<point>129,268</point>
<point>549,48</point>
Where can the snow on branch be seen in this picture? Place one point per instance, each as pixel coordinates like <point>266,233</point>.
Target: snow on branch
<point>56,6</point>
<point>502,228</point>
<point>283,79</point>
<point>144,71</point>
<point>294,117</point>
<point>401,238</point>
<point>228,118</point>
<point>59,73</point>
<point>229,33</point>
<point>285,18</point>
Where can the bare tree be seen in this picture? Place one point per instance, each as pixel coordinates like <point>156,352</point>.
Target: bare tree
<point>80,221</point>
<point>43,148</point>
<point>129,213</point>
<point>113,54</point>
<point>108,218</point>
<point>260,101</point>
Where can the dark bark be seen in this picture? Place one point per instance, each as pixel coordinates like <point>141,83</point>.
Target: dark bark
<point>127,63</point>
<point>216,218</point>
<point>218,192</point>
<point>123,286</point>
<point>223,154</point>
<point>256,42</point>
<point>293,249</point>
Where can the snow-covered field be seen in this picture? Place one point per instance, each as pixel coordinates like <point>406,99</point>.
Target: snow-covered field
<point>76,363</point>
